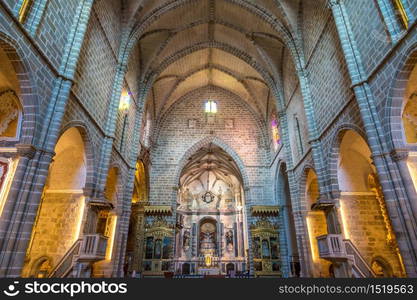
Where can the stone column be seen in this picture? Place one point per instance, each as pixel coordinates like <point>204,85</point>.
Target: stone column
<point>397,198</point>
<point>128,188</point>
<point>400,157</point>
<point>315,142</point>
<point>299,218</point>
<point>24,197</point>
<point>109,130</point>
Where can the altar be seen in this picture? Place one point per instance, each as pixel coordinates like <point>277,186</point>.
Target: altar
<point>209,271</point>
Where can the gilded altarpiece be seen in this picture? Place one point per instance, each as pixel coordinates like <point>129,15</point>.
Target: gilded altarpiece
<point>158,246</point>
<point>265,242</point>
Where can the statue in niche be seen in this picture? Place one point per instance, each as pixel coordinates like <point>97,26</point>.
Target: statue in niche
<point>229,240</point>
<point>229,237</point>
<point>378,269</point>
<point>186,240</point>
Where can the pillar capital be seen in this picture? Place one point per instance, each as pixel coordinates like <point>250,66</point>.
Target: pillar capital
<point>26,150</point>
<point>399,154</point>
<point>331,3</point>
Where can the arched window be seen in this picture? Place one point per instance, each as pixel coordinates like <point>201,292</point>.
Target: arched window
<point>299,138</point>
<point>124,108</point>
<point>10,116</point>
<point>210,107</point>
<point>147,130</point>
<point>276,137</point>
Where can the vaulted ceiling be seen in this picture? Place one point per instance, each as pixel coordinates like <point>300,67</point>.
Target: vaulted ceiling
<point>214,160</point>
<point>237,45</point>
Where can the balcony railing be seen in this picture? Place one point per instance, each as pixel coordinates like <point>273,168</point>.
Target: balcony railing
<point>332,247</point>
<point>93,248</point>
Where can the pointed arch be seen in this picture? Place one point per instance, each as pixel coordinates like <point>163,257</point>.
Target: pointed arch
<point>220,143</point>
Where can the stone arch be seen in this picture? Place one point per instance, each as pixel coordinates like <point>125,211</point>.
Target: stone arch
<point>141,174</point>
<point>361,198</point>
<point>302,184</point>
<point>218,142</point>
<point>335,150</point>
<point>27,94</point>
<point>62,202</point>
<point>382,268</point>
<point>350,176</point>
<point>138,29</point>
<point>113,182</point>
<point>282,190</point>
<point>194,71</point>
<point>395,102</point>
<point>37,266</point>
<point>316,223</point>
<point>211,44</point>
<point>279,170</point>
<point>89,152</point>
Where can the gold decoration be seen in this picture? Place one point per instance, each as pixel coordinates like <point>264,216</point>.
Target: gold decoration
<point>375,187</point>
<point>24,10</point>
<point>265,210</point>
<point>264,228</point>
<point>159,228</point>
<point>399,7</point>
<point>158,210</point>
<point>207,260</point>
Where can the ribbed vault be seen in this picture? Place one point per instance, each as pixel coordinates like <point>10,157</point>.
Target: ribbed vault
<point>215,162</point>
<point>236,45</point>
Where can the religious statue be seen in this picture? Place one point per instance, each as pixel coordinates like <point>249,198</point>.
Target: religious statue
<point>229,237</point>
<point>378,269</point>
<point>186,240</point>
<point>229,240</point>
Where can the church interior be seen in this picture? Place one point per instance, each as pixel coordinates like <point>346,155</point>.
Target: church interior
<point>208,138</point>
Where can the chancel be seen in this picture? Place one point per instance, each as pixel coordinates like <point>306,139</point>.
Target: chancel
<point>208,138</point>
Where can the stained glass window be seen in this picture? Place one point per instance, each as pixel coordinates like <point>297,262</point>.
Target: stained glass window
<point>276,138</point>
